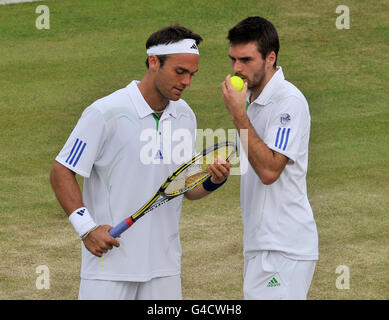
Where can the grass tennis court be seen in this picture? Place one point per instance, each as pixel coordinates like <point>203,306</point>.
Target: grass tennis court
<point>47,77</point>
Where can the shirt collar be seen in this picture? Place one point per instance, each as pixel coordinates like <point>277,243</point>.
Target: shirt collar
<point>270,88</point>
<point>142,107</point>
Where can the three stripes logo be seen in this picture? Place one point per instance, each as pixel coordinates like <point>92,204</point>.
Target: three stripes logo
<point>282,138</point>
<point>81,212</point>
<point>76,152</point>
<point>194,47</point>
<point>158,155</point>
<point>273,283</point>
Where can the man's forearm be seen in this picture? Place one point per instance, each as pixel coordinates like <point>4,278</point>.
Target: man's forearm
<point>66,188</point>
<point>266,163</point>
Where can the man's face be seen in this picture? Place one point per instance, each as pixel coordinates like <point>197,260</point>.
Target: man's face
<point>176,74</point>
<point>248,64</point>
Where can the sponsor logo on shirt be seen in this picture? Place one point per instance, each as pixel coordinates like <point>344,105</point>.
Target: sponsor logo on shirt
<point>158,155</point>
<point>285,118</point>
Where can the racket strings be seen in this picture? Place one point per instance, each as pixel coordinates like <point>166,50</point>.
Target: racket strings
<point>197,172</point>
<point>193,178</point>
<point>185,179</point>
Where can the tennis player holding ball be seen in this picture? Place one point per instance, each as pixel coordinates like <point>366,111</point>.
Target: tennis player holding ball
<point>106,148</point>
<point>280,236</point>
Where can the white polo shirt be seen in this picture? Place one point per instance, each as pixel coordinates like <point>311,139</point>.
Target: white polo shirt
<point>125,155</point>
<point>279,216</point>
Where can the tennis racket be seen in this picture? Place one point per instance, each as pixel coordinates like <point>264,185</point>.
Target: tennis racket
<point>184,178</point>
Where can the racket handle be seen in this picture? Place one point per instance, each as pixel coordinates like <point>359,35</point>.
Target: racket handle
<point>121,227</point>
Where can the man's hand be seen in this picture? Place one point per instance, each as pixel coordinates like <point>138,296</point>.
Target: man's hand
<point>99,241</point>
<point>234,100</point>
<point>219,170</point>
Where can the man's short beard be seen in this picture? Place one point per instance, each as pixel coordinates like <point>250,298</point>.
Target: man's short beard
<point>258,83</point>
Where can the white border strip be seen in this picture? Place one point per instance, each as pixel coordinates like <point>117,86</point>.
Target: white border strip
<point>16,1</point>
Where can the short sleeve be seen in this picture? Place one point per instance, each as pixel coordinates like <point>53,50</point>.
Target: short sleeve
<point>84,143</point>
<point>288,124</point>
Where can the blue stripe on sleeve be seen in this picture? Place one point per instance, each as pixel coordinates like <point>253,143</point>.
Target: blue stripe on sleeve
<point>287,138</point>
<point>79,155</point>
<point>282,138</point>
<point>278,135</point>
<point>71,152</point>
<point>78,148</point>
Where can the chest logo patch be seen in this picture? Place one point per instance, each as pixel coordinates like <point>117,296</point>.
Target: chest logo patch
<point>158,155</point>
<point>285,119</point>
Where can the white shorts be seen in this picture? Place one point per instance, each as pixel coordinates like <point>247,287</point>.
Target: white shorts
<point>164,288</point>
<point>272,276</point>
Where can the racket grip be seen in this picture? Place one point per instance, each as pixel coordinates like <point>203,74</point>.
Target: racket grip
<point>121,227</point>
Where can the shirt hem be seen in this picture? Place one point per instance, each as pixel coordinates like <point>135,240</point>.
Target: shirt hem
<point>290,156</point>
<point>128,277</point>
<point>70,167</point>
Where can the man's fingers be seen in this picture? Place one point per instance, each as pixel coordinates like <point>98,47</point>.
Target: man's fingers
<point>245,88</point>
<point>219,172</point>
<point>116,243</point>
<point>222,165</point>
<point>97,253</point>
<point>100,241</point>
<point>215,172</point>
<point>113,241</point>
<point>226,84</point>
<point>224,87</point>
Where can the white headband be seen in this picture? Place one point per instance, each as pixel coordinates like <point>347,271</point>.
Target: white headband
<point>183,46</point>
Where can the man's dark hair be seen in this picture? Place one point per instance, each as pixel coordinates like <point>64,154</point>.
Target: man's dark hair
<point>168,35</point>
<point>258,30</point>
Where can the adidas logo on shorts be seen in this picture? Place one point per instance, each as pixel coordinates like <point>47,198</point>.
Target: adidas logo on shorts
<point>273,283</point>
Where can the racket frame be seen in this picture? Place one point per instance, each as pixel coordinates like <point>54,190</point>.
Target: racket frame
<point>153,203</point>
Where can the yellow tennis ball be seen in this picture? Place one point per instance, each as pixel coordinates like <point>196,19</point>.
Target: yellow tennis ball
<point>237,83</point>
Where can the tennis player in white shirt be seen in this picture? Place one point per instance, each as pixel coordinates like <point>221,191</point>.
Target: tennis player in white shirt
<point>110,147</point>
<point>280,235</point>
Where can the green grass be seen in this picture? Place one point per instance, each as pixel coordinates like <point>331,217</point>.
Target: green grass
<point>47,77</point>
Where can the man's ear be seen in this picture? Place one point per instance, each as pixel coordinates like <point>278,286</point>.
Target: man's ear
<point>271,59</point>
<point>153,63</point>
